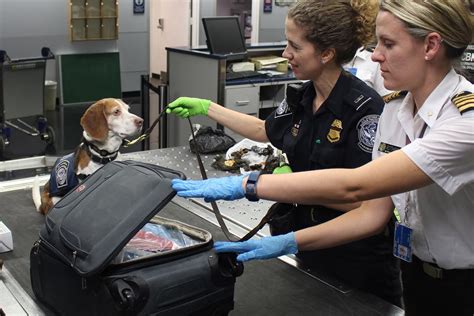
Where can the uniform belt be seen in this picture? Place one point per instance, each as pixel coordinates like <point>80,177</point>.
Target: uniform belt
<point>436,272</point>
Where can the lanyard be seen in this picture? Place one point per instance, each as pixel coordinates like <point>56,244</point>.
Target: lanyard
<point>407,213</point>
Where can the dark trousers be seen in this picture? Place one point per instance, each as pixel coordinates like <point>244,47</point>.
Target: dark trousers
<point>366,264</point>
<point>428,290</point>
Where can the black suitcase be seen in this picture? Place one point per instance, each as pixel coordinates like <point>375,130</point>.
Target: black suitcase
<point>76,266</point>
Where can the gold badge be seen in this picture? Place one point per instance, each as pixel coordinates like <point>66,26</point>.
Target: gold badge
<point>334,134</point>
<point>295,129</point>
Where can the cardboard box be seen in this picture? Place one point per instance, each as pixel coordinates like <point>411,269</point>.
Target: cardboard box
<point>6,241</point>
<point>270,63</point>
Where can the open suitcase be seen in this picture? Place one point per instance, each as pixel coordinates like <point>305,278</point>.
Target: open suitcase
<point>85,263</point>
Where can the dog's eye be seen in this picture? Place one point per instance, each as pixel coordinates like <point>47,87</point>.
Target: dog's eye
<point>117,112</point>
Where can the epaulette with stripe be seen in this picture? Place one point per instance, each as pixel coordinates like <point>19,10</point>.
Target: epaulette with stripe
<point>394,95</point>
<point>464,101</point>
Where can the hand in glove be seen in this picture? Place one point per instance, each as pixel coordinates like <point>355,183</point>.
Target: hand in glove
<point>185,107</point>
<point>285,168</point>
<point>264,248</point>
<point>225,188</point>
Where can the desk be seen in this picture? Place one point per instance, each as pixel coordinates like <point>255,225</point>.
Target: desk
<point>197,73</point>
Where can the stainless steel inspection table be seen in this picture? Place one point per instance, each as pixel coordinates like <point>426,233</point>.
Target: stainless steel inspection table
<point>266,287</point>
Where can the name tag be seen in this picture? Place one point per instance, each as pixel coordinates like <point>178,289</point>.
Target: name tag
<point>402,242</point>
<point>387,148</point>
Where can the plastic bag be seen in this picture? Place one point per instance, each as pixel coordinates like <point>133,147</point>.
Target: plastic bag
<point>153,239</point>
<point>209,141</point>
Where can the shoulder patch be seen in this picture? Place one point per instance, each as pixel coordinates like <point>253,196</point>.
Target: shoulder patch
<point>394,95</point>
<point>283,109</point>
<point>367,128</point>
<point>464,101</point>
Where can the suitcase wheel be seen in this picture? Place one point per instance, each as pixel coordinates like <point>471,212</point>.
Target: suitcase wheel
<point>129,294</point>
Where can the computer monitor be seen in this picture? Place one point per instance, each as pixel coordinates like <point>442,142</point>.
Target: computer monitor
<point>224,36</point>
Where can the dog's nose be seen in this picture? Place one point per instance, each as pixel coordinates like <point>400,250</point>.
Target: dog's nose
<point>139,122</point>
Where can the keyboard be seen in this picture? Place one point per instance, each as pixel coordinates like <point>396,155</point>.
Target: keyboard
<point>243,75</point>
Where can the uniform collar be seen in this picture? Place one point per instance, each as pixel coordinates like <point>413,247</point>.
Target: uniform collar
<point>335,100</point>
<point>433,105</point>
<point>430,110</point>
<point>363,54</point>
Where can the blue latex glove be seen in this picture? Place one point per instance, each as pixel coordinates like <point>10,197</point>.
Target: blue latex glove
<point>225,188</point>
<point>264,248</point>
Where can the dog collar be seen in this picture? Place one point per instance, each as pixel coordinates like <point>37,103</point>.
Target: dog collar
<point>102,152</point>
<point>96,158</point>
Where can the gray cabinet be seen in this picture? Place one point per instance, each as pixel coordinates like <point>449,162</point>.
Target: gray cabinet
<point>197,73</point>
<point>242,99</point>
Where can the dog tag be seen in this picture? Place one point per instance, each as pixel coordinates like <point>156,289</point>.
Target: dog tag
<point>402,242</point>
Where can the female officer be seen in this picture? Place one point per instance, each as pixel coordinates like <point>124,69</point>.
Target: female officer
<point>328,122</point>
<point>423,150</point>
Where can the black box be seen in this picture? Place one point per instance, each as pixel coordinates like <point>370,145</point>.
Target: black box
<point>76,266</point>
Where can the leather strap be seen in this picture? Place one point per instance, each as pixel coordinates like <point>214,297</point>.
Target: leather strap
<point>215,208</point>
<point>146,134</point>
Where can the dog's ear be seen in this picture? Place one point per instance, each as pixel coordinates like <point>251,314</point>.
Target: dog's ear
<point>94,121</point>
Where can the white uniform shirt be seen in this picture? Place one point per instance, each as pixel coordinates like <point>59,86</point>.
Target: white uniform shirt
<point>441,214</point>
<point>366,70</point>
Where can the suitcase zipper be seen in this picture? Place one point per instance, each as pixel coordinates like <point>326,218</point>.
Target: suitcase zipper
<point>36,245</point>
<point>74,256</point>
<point>36,251</point>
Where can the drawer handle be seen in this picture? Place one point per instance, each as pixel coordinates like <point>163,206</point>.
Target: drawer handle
<point>240,103</point>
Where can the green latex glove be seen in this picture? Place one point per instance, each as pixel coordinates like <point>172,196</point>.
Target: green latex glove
<point>185,107</point>
<point>285,168</point>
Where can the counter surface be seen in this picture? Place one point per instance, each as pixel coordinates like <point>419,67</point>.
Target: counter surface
<point>266,287</point>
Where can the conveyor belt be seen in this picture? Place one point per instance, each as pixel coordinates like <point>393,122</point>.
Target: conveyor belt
<point>266,287</point>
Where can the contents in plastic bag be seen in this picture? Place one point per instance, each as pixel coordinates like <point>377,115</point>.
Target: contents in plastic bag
<point>246,156</point>
<point>153,239</point>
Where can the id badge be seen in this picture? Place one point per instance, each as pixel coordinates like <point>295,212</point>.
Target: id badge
<point>402,242</point>
<point>352,70</point>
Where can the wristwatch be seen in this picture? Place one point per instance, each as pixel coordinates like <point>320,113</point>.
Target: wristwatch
<point>251,186</point>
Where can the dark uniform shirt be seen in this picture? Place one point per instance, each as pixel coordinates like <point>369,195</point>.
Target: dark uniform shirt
<point>339,135</point>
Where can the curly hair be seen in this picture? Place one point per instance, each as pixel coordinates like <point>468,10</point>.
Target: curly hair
<point>344,25</point>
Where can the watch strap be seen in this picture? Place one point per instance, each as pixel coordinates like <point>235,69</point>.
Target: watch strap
<point>251,186</point>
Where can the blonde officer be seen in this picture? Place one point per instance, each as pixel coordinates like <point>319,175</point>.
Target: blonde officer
<point>424,158</point>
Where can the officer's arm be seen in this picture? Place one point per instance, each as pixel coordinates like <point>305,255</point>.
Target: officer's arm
<point>245,125</point>
<point>369,219</point>
<point>343,207</point>
<point>391,174</point>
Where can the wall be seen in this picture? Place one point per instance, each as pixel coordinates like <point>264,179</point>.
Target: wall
<point>28,25</point>
<point>272,25</point>
<point>173,33</point>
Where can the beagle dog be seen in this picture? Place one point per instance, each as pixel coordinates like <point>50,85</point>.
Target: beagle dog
<point>106,124</point>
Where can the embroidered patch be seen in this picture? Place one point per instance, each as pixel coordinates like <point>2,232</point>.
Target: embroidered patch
<point>283,109</point>
<point>367,127</point>
<point>61,173</point>
<point>464,101</point>
<point>334,134</point>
